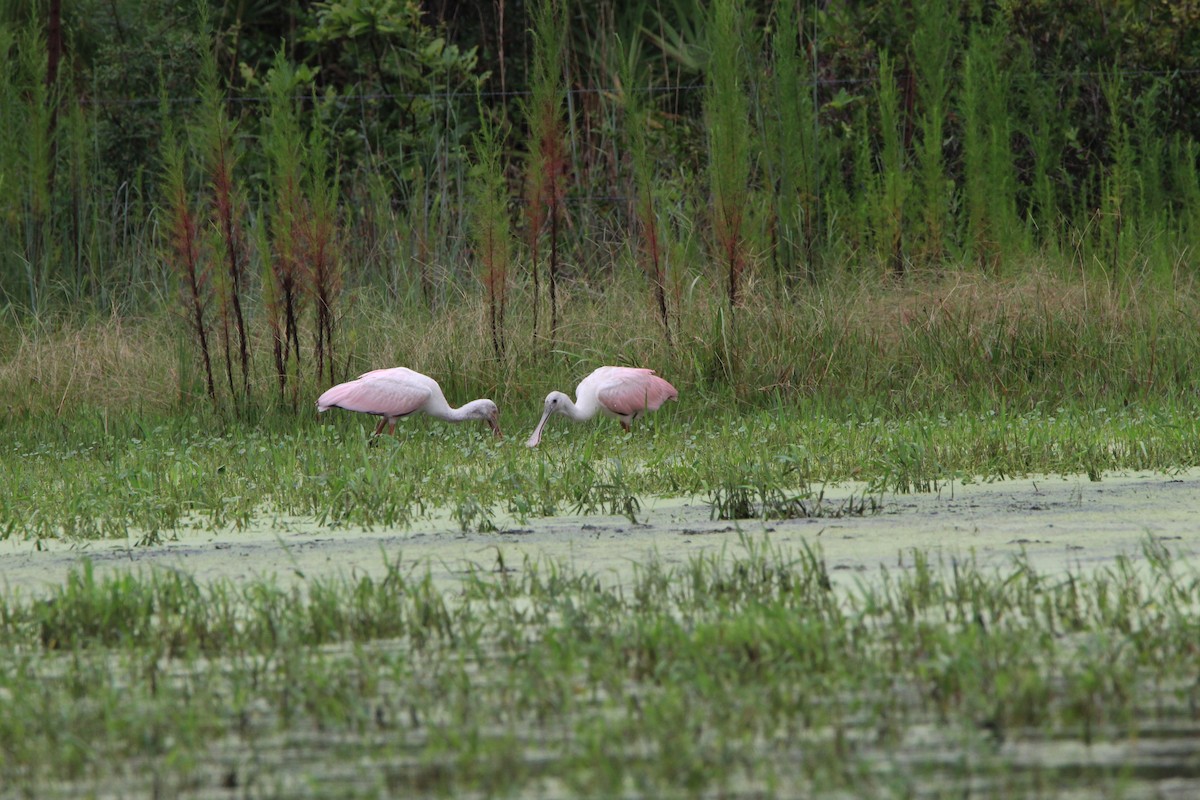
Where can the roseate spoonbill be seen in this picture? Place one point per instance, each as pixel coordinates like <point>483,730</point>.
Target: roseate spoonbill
<point>621,392</point>
<point>394,393</point>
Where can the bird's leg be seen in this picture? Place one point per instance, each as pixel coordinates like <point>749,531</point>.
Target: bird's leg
<point>392,428</point>
<point>371,439</point>
<point>625,426</point>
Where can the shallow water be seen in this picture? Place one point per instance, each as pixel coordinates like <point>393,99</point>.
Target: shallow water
<point>1060,523</point>
<point>922,758</point>
<point>1056,523</point>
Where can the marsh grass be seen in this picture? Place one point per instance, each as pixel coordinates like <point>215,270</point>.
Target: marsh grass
<point>750,501</point>
<point>956,342</point>
<point>546,152</point>
<point>133,482</point>
<point>904,390</point>
<point>893,184</point>
<point>733,674</point>
<point>727,119</point>
<point>791,148</point>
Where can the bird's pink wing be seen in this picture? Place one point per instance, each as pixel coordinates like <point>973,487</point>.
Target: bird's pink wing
<point>376,394</point>
<point>632,391</point>
<point>396,373</point>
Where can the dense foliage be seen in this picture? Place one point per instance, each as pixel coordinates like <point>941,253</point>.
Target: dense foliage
<point>310,149</point>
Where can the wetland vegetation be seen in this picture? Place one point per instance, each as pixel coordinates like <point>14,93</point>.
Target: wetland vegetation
<point>901,244</point>
<point>900,388</point>
<point>735,675</point>
<point>738,675</point>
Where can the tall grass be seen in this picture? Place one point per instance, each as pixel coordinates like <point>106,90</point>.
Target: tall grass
<point>934,46</point>
<point>727,118</point>
<point>81,187</point>
<point>284,280</point>
<point>974,156</point>
<point>27,101</point>
<point>183,252</point>
<point>217,147</point>
<point>322,248</point>
<point>650,247</point>
<point>1116,216</point>
<point>1044,130</point>
<point>1183,171</point>
<point>953,344</point>
<point>893,182</point>
<point>987,151</point>
<point>546,155</point>
<point>978,125</point>
<point>490,226</point>
<point>791,133</point>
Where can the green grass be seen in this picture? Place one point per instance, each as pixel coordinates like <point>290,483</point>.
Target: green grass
<point>80,483</point>
<point>736,675</point>
<point>748,673</point>
<point>939,379</point>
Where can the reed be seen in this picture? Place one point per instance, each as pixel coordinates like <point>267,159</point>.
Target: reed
<point>893,183</point>
<point>80,186</point>
<point>1041,129</point>
<point>546,156</point>
<point>989,185</point>
<point>727,119</point>
<point>28,98</point>
<point>1151,146</point>
<point>321,247</point>
<point>934,46</point>
<point>284,277</point>
<point>1184,180</point>
<point>419,222</point>
<point>1115,214</point>
<point>215,133</point>
<point>650,251</point>
<point>490,227</point>
<point>791,135</point>
<point>11,107</point>
<point>984,113</point>
<point>183,251</point>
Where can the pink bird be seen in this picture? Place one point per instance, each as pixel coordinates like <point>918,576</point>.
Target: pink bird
<point>394,393</point>
<point>621,392</point>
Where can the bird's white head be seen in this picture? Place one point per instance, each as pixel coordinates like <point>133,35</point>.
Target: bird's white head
<point>556,403</point>
<point>487,411</point>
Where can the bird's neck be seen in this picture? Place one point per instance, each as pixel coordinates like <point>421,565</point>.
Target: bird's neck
<point>582,411</point>
<point>439,408</point>
<point>445,412</point>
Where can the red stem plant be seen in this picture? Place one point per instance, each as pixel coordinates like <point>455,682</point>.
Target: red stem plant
<point>217,133</point>
<point>649,245</point>
<point>546,159</point>
<point>183,254</point>
<point>321,253</point>
<point>419,224</point>
<point>283,293</point>
<point>650,250</point>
